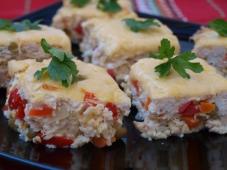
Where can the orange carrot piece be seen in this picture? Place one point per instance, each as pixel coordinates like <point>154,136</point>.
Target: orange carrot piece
<point>135,83</point>
<point>206,107</point>
<point>49,87</point>
<point>191,121</point>
<point>147,103</point>
<point>99,142</point>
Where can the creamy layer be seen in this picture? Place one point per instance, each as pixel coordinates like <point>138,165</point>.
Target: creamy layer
<point>206,37</point>
<point>54,36</point>
<point>209,82</point>
<point>96,80</point>
<point>114,39</point>
<point>90,10</point>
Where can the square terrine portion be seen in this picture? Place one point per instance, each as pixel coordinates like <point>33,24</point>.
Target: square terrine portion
<point>176,106</point>
<point>26,45</point>
<point>70,17</point>
<point>111,44</point>
<point>43,111</point>
<point>212,47</point>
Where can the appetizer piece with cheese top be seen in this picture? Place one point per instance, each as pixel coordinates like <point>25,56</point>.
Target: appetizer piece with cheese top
<point>74,12</point>
<point>63,102</point>
<point>21,40</point>
<point>118,43</point>
<point>176,95</point>
<point>211,44</point>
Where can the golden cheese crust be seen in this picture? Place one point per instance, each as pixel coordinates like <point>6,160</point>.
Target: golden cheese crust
<point>89,11</point>
<point>200,84</point>
<point>118,40</point>
<point>206,37</point>
<point>54,36</point>
<point>96,80</point>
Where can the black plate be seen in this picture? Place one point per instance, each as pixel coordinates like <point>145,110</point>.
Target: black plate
<point>193,152</point>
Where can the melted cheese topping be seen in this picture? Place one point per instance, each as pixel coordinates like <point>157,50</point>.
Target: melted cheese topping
<point>54,37</point>
<point>117,40</point>
<point>208,38</point>
<point>209,82</point>
<point>90,10</point>
<point>97,81</point>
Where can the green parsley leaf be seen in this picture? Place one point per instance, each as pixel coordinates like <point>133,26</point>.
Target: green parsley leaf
<point>57,53</point>
<point>180,63</point>
<point>61,68</point>
<point>163,69</point>
<point>220,26</point>
<point>64,72</point>
<point>46,47</point>
<point>165,50</point>
<point>19,26</point>
<point>6,25</point>
<point>39,74</point>
<point>110,6</point>
<point>80,3</point>
<point>137,26</point>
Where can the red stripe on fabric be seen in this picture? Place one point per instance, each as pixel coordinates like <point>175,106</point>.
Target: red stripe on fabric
<point>177,11</point>
<point>164,8</point>
<point>171,8</point>
<point>37,4</point>
<point>11,9</point>
<point>199,11</point>
<point>222,5</point>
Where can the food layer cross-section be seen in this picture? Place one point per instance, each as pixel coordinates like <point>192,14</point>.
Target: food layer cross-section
<point>70,17</point>
<point>173,105</point>
<point>44,111</point>
<point>116,44</point>
<point>22,41</point>
<point>211,45</point>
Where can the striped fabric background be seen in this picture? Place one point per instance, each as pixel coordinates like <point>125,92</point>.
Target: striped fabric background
<point>198,11</point>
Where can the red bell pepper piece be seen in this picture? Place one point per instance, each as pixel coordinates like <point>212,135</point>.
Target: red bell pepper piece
<point>111,72</point>
<point>113,108</point>
<point>58,141</point>
<point>90,99</point>
<point>189,109</point>
<point>79,30</point>
<point>43,110</point>
<point>17,103</point>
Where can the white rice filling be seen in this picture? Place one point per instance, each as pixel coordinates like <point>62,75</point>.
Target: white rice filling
<point>170,122</point>
<point>215,56</point>
<point>95,52</point>
<point>161,130</point>
<point>71,120</point>
<point>217,125</point>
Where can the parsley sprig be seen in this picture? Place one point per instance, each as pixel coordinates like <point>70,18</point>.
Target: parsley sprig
<point>61,67</point>
<point>19,26</point>
<point>220,26</point>
<point>80,3</point>
<point>138,25</point>
<point>110,6</point>
<point>179,63</point>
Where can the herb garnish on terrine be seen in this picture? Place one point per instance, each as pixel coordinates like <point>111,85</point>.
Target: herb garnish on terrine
<point>44,111</point>
<point>185,96</point>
